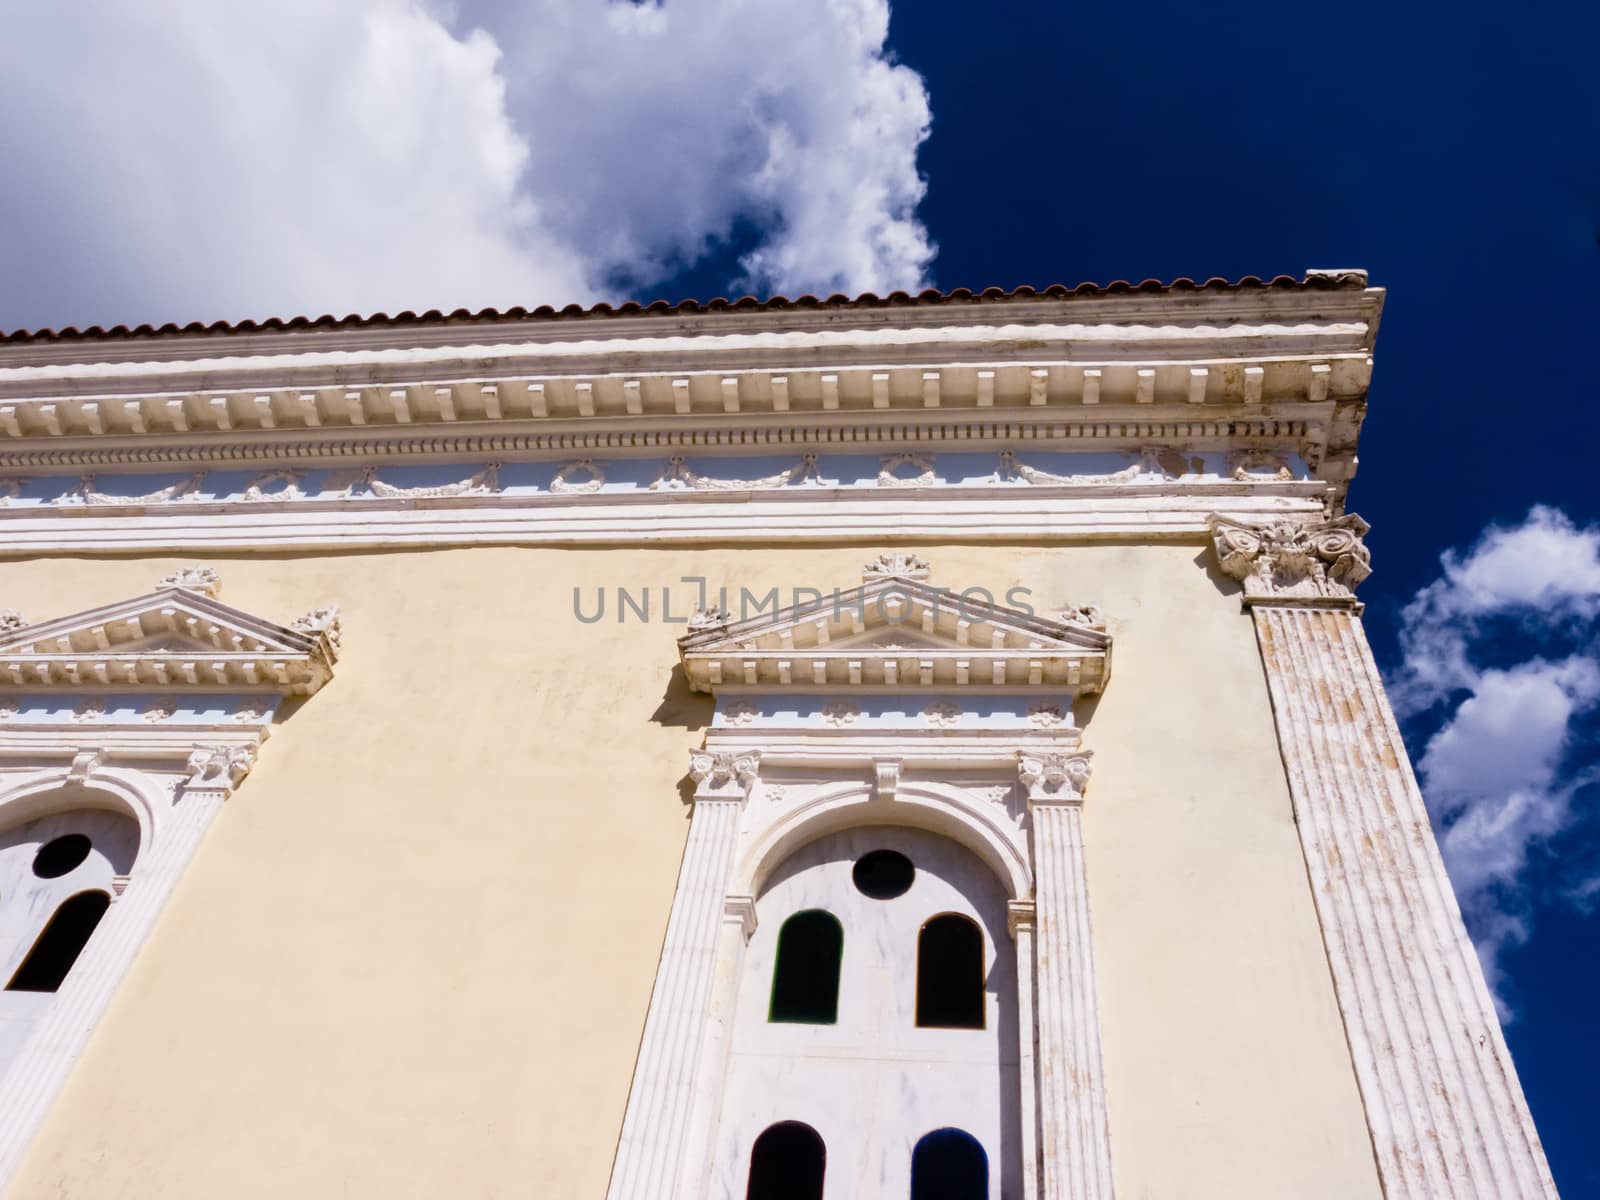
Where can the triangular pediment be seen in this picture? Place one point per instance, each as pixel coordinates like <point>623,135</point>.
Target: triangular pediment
<point>176,637</point>
<point>897,630</point>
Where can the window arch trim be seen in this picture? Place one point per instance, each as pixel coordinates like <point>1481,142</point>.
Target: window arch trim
<point>944,809</point>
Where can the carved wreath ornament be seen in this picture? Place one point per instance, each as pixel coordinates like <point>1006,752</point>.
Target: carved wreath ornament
<point>896,564</point>
<point>840,713</point>
<point>204,580</point>
<point>741,712</point>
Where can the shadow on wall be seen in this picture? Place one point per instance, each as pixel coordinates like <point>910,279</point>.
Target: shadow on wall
<point>683,708</point>
<point>1206,560</point>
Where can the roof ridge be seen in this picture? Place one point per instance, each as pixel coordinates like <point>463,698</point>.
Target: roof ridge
<point>1313,280</point>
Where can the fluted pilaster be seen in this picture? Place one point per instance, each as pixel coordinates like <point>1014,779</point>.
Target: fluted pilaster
<point>1443,1103</point>
<point>653,1151</point>
<point>1022,918</point>
<point>1074,1141</point>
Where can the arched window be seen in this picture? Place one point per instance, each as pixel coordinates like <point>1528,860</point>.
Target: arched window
<point>805,981</point>
<point>60,944</point>
<point>787,1163</point>
<point>950,973</point>
<point>949,1164</point>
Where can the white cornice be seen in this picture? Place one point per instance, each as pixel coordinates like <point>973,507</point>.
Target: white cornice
<point>678,519</point>
<point>1289,368</point>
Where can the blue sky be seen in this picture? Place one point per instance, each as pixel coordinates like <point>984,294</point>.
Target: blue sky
<point>185,160</point>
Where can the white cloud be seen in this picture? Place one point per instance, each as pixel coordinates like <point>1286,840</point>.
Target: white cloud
<point>1545,569</point>
<point>182,159</point>
<point>1499,773</point>
<point>653,128</point>
<point>1494,770</point>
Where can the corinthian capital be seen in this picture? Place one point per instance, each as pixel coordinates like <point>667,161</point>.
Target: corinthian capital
<point>1052,777</point>
<point>723,775</point>
<point>1290,563</point>
<point>219,768</point>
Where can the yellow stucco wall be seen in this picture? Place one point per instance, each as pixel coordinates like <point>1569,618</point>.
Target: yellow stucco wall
<point>413,955</point>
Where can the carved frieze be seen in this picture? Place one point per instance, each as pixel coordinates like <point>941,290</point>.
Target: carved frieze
<point>289,487</point>
<point>88,492</point>
<point>1148,466</point>
<point>677,475</point>
<point>1047,714</point>
<point>563,478</point>
<point>840,713</point>
<point>923,475</point>
<point>481,483</point>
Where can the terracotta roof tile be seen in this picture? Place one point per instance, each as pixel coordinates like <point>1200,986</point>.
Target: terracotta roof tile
<point>1317,281</point>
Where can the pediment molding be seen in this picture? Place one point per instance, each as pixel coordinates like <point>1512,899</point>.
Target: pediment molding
<point>177,638</point>
<point>898,630</point>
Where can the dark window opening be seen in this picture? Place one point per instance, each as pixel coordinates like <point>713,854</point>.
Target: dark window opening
<point>60,855</point>
<point>950,973</point>
<point>787,1163</point>
<point>60,944</point>
<point>949,1164</point>
<point>883,874</point>
<point>805,981</point>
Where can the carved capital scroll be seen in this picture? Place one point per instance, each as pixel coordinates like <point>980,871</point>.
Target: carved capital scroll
<point>723,776</point>
<point>1288,563</point>
<point>1053,778</point>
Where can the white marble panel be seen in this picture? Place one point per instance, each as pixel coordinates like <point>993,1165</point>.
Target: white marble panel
<point>873,1083</point>
<point>27,902</point>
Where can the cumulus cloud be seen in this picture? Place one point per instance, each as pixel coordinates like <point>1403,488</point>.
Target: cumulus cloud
<point>655,128</point>
<point>181,159</point>
<point>1504,769</point>
<point>1545,571</point>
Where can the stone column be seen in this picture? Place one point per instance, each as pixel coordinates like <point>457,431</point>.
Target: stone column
<point>46,1058</point>
<point>1021,916</point>
<point>653,1153</point>
<point>1443,1103</point>
<point>1074,1140</point>
<point>738,923</point>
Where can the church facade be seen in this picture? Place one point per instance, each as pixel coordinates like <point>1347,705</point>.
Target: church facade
<point>850,749</point>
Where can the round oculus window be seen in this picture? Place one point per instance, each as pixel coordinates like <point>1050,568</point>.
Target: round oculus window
<point>60,855</point>
<point>883,874</point>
